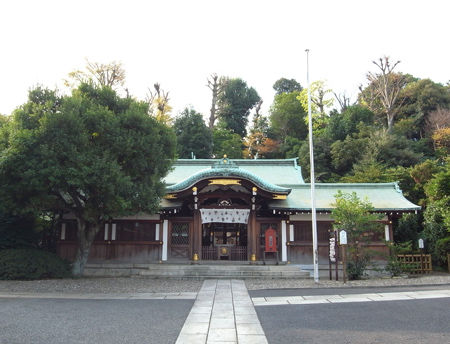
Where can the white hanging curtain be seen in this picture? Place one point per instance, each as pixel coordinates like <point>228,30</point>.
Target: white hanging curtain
<point>225,215</point>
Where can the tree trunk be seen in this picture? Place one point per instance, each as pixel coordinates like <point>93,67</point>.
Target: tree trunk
<point>390,121</point>
<point>214,84</point>
<point>86,233</point>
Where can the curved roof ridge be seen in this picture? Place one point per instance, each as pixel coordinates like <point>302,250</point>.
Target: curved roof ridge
<point>231,171</point>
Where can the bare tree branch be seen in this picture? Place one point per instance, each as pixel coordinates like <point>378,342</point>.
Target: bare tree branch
<point>216,85</point>
<point>343,100</point>
<point>386,86</point>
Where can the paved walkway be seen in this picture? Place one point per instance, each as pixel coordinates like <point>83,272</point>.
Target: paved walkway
<point>222,313</point>
<point>314,299</point>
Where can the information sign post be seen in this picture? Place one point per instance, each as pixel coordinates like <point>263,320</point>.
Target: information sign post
<point>343,243</point>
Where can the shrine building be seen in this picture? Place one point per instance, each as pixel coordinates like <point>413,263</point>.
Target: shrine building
<point>222,209</point>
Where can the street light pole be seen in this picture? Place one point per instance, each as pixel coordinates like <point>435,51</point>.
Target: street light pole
<point>311,160</point>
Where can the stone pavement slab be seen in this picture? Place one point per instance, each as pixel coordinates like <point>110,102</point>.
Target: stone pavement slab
<point>222,313</point>
<point>320,299</point>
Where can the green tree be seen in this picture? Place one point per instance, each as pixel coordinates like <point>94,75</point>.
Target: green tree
<point>324,171</point>
<point>4,131</point>
<point>348,121</point>
<point>437,214</point>
<point>98,156</point>
<point>17,231</point>
<point>284,85</point>
<point>356,217</point>
<point>419,99</point>
<point>321,98</point>
<point>235,102</point>
<point>287,117</point>
<point>193,136</point>
<point>368,171</point>
<point>225,142</point>
<point>346,153</point>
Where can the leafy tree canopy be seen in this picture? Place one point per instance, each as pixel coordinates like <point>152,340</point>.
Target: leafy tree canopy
<point>284,85</point>
<point>287,117</point>
<point>225,142</point>
<point>356,217</point>
<point>437,214</point>
<point>346,123</point>
<point>94,154</point>
<point>235,102</point>
<point>321,98</point>
<point>193,136</point>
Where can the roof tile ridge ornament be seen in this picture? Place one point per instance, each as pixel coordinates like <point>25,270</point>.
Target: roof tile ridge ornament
<point>224,163</point>
<point>397,187</point>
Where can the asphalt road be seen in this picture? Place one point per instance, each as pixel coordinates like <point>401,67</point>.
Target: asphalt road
<point>411,321</point>
<point>52,321</point>
<point>111,321</point>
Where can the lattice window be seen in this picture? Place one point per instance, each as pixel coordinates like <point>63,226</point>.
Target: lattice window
<point>180,233</point>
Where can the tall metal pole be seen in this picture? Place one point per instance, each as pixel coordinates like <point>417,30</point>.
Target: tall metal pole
<point>311,162</point>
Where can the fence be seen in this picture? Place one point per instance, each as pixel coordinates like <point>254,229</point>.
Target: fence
<point>238,253</point>
<point>416,263</point>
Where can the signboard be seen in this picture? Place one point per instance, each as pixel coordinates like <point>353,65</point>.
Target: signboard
<point>332,249</point>
<point>421,243</point>
<point>343,237</point>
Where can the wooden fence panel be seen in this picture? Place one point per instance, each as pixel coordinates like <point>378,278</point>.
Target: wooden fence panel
<point>418,263</point>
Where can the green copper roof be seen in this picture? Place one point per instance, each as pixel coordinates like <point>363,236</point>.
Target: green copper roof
<point>383,196</point>
<point>282,176</point>
<point>275,171</point>
<point>226,168</point>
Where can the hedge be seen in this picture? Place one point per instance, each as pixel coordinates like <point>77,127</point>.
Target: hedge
<point>30,264</point>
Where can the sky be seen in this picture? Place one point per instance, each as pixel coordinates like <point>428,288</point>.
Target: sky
<point>180,43</point>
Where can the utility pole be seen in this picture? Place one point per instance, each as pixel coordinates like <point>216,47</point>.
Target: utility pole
<point>311,162</point>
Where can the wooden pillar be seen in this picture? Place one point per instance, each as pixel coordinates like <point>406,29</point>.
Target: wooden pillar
<point>196,235</point>
<point>250,230</point>
<point>253,236</point>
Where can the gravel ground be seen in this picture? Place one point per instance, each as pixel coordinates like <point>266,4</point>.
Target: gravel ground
<point>104,285</point>
<point>148,285</point>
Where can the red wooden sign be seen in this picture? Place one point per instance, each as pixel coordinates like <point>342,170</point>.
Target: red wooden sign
<point>271,240</point>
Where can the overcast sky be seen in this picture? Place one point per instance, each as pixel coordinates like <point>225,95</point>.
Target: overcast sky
<point>180,43</point>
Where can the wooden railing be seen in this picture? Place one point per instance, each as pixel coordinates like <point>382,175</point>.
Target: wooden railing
<point>416,263</point>
<point>209,253</point>
<point>239,253</point>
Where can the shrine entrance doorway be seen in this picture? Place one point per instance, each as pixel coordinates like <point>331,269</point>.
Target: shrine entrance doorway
<point>224,241</point>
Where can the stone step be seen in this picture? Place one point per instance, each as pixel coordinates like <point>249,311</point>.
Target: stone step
<point>224,268</point>
<point>223,273</point>
<point>196,271</point>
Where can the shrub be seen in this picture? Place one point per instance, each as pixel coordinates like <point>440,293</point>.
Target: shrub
<point>29,264</point>
<point>356,269</point>
<point>441,250</point>
<point>18,231</point>
<point>397,268</point>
